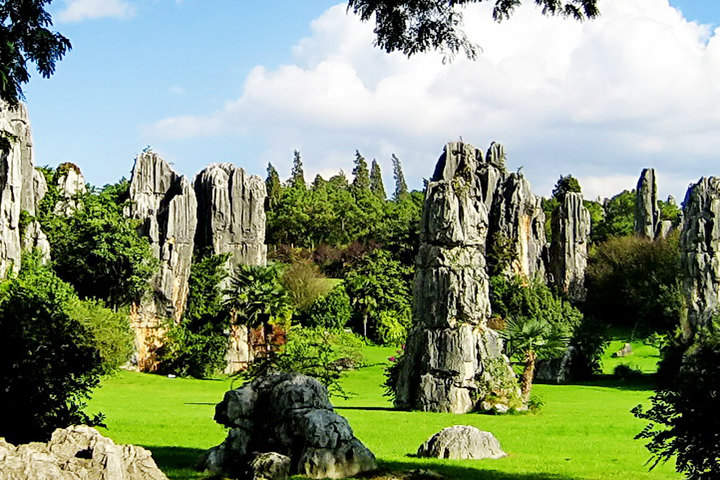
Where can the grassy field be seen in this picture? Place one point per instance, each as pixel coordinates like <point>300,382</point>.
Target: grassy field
<point>582,432</point>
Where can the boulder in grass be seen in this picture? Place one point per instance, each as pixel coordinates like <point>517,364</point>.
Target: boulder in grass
<point>461,442</point>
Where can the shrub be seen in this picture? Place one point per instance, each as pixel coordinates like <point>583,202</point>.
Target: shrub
<point>333,311</point>
<point>627,372</point>
<point>304,284</point>
<point>589,341</point>
<point>110,330</point>
<point>392,327</point>
<point>684,420</point>
<point>49,362</point>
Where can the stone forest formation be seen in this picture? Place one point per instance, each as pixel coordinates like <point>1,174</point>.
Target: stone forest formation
<point>473,209</point>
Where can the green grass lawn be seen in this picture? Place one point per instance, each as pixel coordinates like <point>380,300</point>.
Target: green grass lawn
<point>582,432</point>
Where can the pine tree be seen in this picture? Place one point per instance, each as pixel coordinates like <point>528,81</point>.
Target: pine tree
<point>297,175</point>
<point>319,182</point>
<point>376,181</point>
<point>361,182</point>
<point>272,186</point>
<point>400,185</point>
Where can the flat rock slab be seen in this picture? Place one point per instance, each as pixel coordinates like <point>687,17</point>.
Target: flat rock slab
<point>461,442</point>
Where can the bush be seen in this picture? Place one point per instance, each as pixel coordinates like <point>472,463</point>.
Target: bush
<point>111,331</point>
<point>684,420</point>
<point>392,327</point>
<point>589,341</point>
<point>627,372</point>
<point>304,284</point>
<point>49,361</point>
<point>333,311</point>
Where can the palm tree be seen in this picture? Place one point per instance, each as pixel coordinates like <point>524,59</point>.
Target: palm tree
<point>532,339</point>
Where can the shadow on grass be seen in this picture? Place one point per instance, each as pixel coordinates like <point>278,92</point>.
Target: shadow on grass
<point>646,381</point>
<point>458,472</point>
<point>178,463</point>
<point>386,409</point>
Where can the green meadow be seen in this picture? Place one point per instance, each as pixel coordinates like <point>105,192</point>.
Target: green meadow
<point>582,431</point>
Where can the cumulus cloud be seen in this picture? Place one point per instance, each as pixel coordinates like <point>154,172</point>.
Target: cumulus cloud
<point>79,10</point>
<point>601,100</point>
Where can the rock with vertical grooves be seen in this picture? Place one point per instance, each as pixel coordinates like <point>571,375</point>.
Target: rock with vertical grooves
<point>517,221</point>
<point>70,184</point>
<point>21,189</point>
<point>231,213</point>
<point>165,204</point>
<point>569,247</point>
<point>647,212</point>
<point>453,361</point>
<point>700,251</point>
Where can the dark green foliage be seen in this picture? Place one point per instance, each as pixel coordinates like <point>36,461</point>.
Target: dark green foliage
<point>549,205</point>
<point>501,254</point>
<point>24,35</point>
<point>256,297</point>
<point>297,175</point>
<point>273,187</point>
<point>98,250</point>
<point>376,181</point>
<point>597,216</point>
<point>670,211</point>
<point>361,180</point>
<point>634,282</point>
<point>304,283</point>
<point>684,420</point>
<point>332,311</point>
<point>317,352</point>
<point>619,218</point>
<point>589,341</point>
<point>565,184</point>
<point>380,292</point>
<point>627,372</point>
<point>318,182</point>
<point>198,345</point>
<point>416,26</point>
<point>49,362</point>
<point>110,329</point>
<point>401,187</point>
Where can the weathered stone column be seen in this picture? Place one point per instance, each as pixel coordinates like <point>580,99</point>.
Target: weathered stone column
<point>700,252</point>
<point>453,362</point>
<point>647,213</point>
<point>165,204</point>
<point>569,247</point>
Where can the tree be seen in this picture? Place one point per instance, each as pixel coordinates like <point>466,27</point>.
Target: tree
<point>400,185</point>
<point>565,184</point>
<point>49,363</point>
<point>416,26</point>
<point>273,187</point>
<point>619,220</point>
<point>297,175</point>
<point>532,339</point>
<point>684,420</point>
<point>256,296</point>
<point>376,181</point>
<point>361,182</point>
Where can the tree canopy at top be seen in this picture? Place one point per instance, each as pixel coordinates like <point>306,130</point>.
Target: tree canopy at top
<point>416,26</point>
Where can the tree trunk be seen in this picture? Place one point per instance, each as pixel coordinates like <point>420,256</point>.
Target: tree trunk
<point>365,325</point>
<point>527,376</point>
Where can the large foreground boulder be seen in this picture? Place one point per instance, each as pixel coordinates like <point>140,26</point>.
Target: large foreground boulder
<point>290,415</point>
<point>77,453</point>
<point>461,442</point>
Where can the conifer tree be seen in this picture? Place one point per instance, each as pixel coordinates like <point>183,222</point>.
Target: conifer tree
<point>376,181</point>
<point>400,185</point>
<point>272,186</point>
<point>361,182</point>
<point>297,175</point>
<point>319,182</point>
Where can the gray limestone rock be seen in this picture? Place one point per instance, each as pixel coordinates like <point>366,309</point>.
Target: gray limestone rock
<point>569,247</point>
<point>555,370</point>
<point>165,204</point>
<point>270,466</point>
<point>70,183</point>
<point>461,442</point>
<point>517,221</point>
<point>665,227</point>
<point>700,251</point>
<point>647,212</point>
<point>231,213</point>
<point>452,360</point>
<point>290,415</point>
<point>77,453</point>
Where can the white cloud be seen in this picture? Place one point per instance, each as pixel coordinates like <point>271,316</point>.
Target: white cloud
<point>79,10</point>
<point>601,100</point>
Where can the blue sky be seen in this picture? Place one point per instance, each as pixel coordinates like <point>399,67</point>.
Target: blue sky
<point>205,81</point>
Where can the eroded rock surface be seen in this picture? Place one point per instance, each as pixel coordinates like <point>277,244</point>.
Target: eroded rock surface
<point>647,212</point>
<point>569,247</point>
<point>461,442</point>
<point>70,184</point>
<point>700,251</point>
<point>453,362</point>
<point>231,214</point>
<point>77,453</point>
<point>165,203</point>
<point>290,415</point>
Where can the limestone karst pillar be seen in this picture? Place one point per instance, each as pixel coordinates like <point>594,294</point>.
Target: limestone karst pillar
<point>569,246</point>
<point>453,362</point>
<point>647,213</point>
